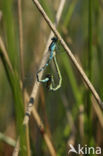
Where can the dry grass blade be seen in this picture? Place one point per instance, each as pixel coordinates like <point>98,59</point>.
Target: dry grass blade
<point>7,140</point>
<point>97,111</point>
<point>5,54</point>
<point>15,152</point>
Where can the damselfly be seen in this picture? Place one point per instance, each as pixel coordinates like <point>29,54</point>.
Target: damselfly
<point>49,78</point>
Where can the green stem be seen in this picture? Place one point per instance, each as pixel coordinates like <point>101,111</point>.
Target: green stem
<point>90,41</point>
<point>89,69</point>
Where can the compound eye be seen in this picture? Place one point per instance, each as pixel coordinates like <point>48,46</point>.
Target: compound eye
<point>54,39</point>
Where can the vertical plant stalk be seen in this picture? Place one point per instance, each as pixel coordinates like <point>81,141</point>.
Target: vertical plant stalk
<point>15,152</point>
<point>0,15</point>
<point>98,43</point>
<point>89,70</point>
<point>81,122</point>
<point>21,39</point>
<point>69,12</point>
<point>37,85</point>
<point>90,40</point>
<point>8,19</point>
<point>28,140</point>
<point>22,68</point>
<point>69,115</point>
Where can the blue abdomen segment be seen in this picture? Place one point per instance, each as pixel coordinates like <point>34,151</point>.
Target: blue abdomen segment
<point>51,55</point>
<point>52,46</point>
<point>45,80</point>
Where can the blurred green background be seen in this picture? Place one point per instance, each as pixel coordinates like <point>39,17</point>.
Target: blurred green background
<point>69,114</point>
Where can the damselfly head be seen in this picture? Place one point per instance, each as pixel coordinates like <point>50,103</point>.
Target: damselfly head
<point>55,39</point>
